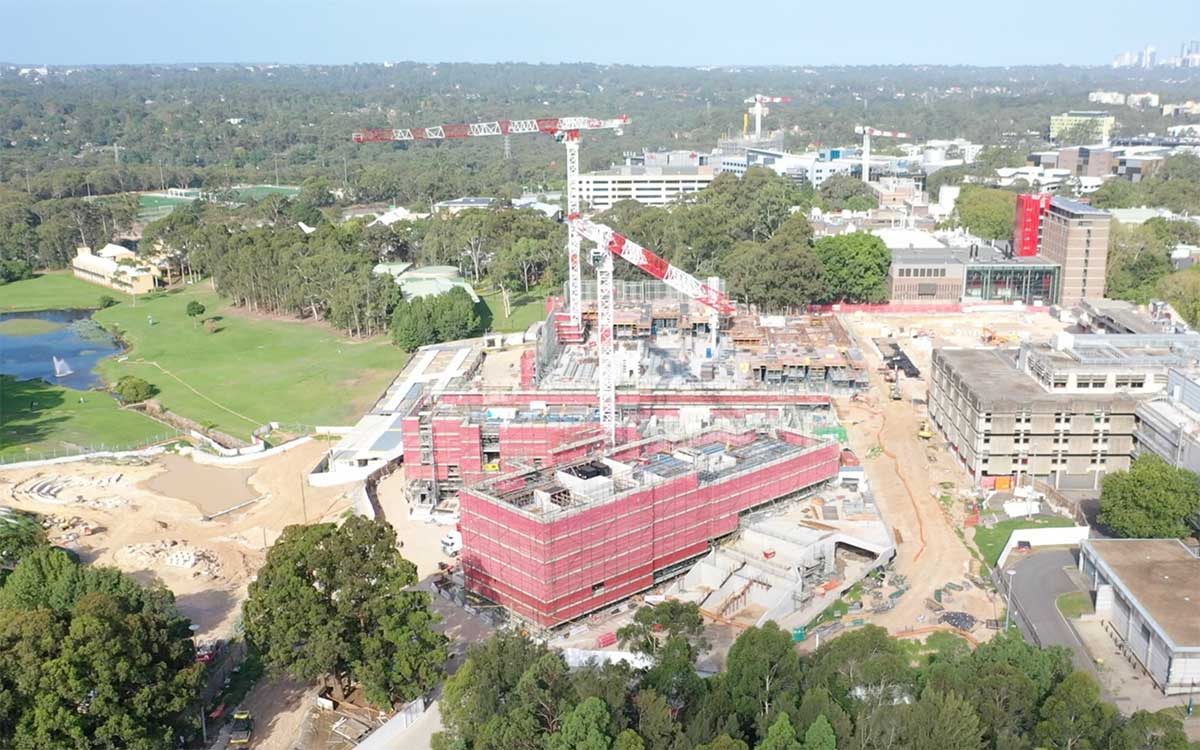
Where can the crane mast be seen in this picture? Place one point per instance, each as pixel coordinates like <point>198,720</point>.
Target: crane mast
<point>566,129</point>
<point>866,132</point>
<point>608,244</point>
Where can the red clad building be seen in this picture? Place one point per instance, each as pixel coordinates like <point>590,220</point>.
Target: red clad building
<point>1027,229</point>
<point>554,544</point>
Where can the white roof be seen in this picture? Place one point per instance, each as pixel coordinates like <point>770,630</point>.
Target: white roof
<point>908,238</point>
<point>115,251</point>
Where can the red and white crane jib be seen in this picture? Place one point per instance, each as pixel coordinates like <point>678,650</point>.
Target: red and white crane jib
<point>547,125</point>
<point>655,265</point>
<point>863,130</point>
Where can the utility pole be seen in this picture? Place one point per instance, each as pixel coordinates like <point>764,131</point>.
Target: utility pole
<point>276,169</point>
<point>303,501</point>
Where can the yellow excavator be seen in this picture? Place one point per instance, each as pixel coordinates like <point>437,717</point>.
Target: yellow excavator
<point>924,432</point>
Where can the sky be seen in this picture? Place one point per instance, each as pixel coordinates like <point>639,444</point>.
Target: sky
<point>644,32</point>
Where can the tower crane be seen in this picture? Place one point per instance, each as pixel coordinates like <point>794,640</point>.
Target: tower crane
<point>758,110</point>
<point>866,132</point>
<point>565,129</point>
<point>608,244</point>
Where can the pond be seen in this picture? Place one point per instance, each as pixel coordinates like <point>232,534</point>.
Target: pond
<point>30,342</point>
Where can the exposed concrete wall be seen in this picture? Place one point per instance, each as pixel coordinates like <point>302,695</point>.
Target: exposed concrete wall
<point>1066,535</point>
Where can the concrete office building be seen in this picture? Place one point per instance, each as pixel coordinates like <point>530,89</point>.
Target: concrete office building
<point>1097,125</point>
<point>1148,594</point>
<point>1169,425</point>
<point>1075,236</point>
<point>1065,414</point>
<point>653,186</point>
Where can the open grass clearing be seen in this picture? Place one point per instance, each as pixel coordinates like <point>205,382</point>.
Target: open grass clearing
<point>39,420</point>
<point>527,309</point>
<point>991,541</point>
<point>54,290</point>
<point>236,372</point>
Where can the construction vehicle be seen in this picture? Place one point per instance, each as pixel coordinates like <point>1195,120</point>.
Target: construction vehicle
<point>924,432</point>
<point>452,543</point>
<point>243,727</point>
<point>895,392</point>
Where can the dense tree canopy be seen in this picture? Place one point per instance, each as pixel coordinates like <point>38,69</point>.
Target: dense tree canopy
<point>89,658</point>
<point>986,212</point>
<point>1151,500</point>
<point>335,601</point>
<point>860,691</point>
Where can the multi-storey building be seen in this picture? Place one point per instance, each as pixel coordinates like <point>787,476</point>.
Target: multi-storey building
<point>1075,236</point>
<point>1169,425</point>
<point>653,186</point>
<point>1065,414</point>
<point>553,545</point>
<point>1027,230</point>
<point>1091,126</point>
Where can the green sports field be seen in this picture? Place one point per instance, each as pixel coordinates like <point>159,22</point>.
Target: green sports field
<point>154,207</point>
<point>258,192</point>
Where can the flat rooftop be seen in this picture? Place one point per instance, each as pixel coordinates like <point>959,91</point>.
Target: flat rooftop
<point>713,455</point>
<point>1163,576</point>
<point>993,372</point>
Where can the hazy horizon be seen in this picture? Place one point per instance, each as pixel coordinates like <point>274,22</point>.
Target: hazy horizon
<point>694,34</point>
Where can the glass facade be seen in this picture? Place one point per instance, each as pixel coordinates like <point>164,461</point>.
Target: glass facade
<point>1026,282</point>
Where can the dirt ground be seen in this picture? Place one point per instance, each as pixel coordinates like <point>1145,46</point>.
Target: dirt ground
<point>908,474</point>
<point>147,518</point>
<point>501,368</point>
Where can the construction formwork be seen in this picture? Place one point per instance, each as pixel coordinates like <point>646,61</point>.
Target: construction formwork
<point>558,555</point>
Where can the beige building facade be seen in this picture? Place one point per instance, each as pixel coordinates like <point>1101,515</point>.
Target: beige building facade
<point>1075,236</point>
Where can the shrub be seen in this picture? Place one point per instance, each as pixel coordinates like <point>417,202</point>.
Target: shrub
<point>133,390</point>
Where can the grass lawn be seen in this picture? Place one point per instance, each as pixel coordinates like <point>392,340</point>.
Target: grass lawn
<point>249,371</point>
<point>1075,604</point>
<point>991,541</point>
<point>527,309</point>
<point>37,418</point>
<point>57,290</point>
<point>258,192</point>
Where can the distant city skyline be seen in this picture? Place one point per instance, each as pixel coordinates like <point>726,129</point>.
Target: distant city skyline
<point>700,32</point>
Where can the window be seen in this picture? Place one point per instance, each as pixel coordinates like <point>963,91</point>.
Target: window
<point>597,588</point>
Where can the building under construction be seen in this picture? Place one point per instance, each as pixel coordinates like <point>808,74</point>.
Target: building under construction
<point>553,544</point>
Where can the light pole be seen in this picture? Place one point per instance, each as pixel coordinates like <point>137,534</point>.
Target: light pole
<point>1011,573</point>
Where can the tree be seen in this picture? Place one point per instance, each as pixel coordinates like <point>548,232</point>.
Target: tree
<point>781,736</point>
<point>819,735</point>
<point>20,535</point>
<point>655,722</point>
<point>653,625</point>
<point>1151,500</point>
<point>132,389</point>
<point>14,270</point>
<point>194,311</point>
<point>629,740</point>
<point>334,600</point>
<point>724,742</point>
<point>1147,731</point>
<point>866,664</point>
<point>986,212</point>
<point>485,686</point>
<point>583,729</point>
<point>761,668</point>
<point>818,703</point>
<point>941,720</point>
<point>837,193</point>
<point>855,267</point>
<point>1138,257</point>
<point>120,679</point>
<point>1182,290</point>
<point>1073,717</point>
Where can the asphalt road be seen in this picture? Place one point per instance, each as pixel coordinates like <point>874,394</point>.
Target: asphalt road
<point>1039,581</point>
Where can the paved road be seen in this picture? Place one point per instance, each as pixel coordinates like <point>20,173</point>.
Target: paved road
<point>1039,581</point>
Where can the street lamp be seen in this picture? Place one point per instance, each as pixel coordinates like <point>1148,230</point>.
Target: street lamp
<point>1011,573</point>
